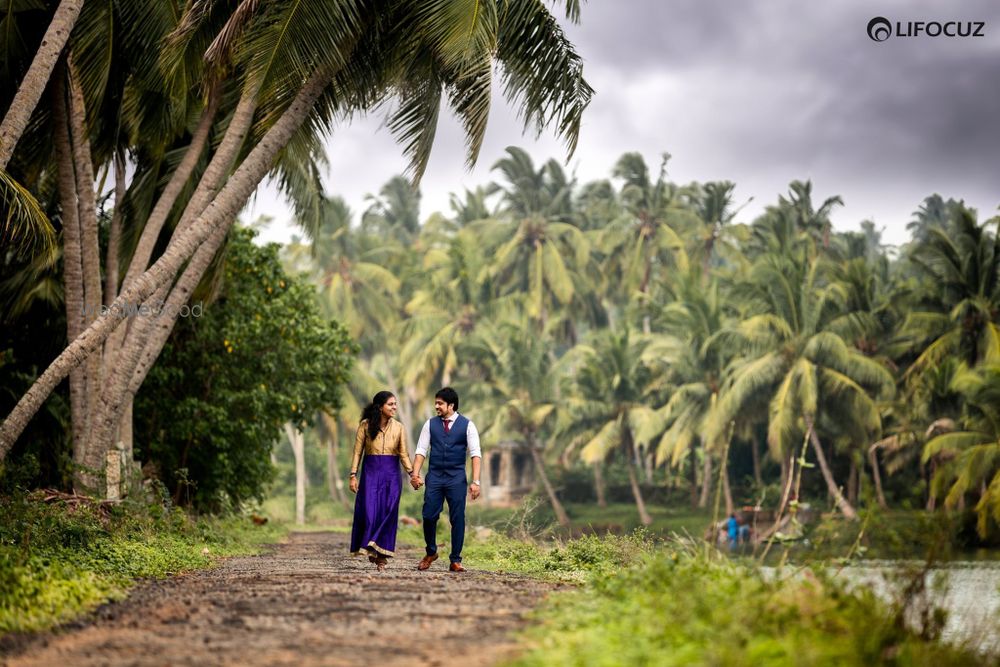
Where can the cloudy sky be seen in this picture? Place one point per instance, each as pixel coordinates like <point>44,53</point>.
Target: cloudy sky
<point>759,92</point>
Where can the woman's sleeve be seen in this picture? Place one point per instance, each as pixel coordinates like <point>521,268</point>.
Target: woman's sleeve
<point>404,453</point>
<point>359,445</point>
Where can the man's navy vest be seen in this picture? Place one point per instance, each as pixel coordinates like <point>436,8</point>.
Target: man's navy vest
<point>449,450</point>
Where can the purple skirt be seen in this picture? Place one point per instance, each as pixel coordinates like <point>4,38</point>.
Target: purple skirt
<point>376,507</point>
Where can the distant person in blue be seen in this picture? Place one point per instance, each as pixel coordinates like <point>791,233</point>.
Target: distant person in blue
<point>448,440</point>
<point>733,528</point>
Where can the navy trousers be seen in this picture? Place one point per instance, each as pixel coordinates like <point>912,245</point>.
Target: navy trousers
<point>437,490</point>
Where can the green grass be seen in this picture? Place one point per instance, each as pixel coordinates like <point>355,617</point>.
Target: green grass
<point>58,561</point>
<point>678,606</point>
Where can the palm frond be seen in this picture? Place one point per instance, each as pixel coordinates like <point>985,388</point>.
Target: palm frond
<point>542,73</point>
<point>24,227</point>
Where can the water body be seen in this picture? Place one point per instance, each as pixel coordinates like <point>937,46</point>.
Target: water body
<point>968,591</point>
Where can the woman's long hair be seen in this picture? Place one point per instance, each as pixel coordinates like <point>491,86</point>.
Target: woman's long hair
<point>373,412</point>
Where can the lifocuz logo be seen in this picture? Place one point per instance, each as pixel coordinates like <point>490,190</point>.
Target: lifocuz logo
<point>881,29</point>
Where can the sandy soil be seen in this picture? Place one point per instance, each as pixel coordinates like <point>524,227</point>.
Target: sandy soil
<point>305,603</point>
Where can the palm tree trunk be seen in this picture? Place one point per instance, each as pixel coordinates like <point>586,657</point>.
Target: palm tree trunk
<point>599,486</point>
<point>706,478</point>
<point>723,488</point>
<point>72,277</point>
<point>788,475</point>
<point>220,212</point>
<point>557,507</point>
<point>755,452</point>
<point>90,250</point>
<point>931,498</point>
<point>33,85</point>
<point>158,217</point>
<point>87,203</point>
<point>333,479</point>
<point>298,451</point>
<point>831,486</point>
<point>786,466</point>
<point>633,480</point>
<point>111,276</point>
<point>852,483</point>
<point>877,478</point>
<point>128,447</point>
<point>647,461</point>
<point>222,161</point>
<point>115,234</point>
<point>143,346</point>
<point>727,493</point>
<point>693,458</point>
<point>161,211</point>
<point>208,185</point>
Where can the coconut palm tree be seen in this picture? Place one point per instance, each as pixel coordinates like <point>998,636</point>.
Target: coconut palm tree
<point>648,237</point>
<point>349,56</point>
<point>691,321</point>
<point>789,352</point>
<point>959,309</point>
<point>520,390</point>
<point>446,310</point>
<point>615,391</point>
<point>395,212</point>
<point>972,453</point>
<point>537,249</point>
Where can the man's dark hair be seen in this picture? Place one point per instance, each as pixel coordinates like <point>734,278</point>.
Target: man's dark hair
<point>448,395</point>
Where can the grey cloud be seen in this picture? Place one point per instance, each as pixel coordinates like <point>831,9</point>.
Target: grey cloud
<point>760,92</point>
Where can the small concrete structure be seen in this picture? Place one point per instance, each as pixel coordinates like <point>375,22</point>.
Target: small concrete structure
<point>508,474</point>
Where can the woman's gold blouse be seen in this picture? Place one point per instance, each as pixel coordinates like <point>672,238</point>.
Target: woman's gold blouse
<point>390,440</point>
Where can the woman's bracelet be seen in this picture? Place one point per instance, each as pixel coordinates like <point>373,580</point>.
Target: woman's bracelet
<point>354,474</point>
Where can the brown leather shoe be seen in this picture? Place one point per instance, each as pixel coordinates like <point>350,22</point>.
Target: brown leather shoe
<point>456,567</point>
<point>426,561</point>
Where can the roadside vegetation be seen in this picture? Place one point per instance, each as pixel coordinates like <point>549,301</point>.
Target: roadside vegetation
<point>62,555</point>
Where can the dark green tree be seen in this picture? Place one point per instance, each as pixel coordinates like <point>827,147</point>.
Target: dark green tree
<point>259,356</point>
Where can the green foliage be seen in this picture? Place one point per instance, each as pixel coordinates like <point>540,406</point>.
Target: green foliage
<point>578,560</point>
<point>678,607</point>
<point>258,357</point>
<point>58,560</point>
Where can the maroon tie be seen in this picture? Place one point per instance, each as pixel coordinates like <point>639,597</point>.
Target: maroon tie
<point>447,425</point>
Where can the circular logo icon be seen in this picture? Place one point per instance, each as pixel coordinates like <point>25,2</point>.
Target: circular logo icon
<point>879,29</point>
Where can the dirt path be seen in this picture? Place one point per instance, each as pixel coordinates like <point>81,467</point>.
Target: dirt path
<point>305,603</point>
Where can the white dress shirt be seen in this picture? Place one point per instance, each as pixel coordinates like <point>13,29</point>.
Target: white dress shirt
<point>471,434</point>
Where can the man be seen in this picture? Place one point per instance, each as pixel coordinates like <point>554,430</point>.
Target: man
<point>448,438</point>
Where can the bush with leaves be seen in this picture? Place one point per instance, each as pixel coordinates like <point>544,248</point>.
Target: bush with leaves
<point>259,356</point>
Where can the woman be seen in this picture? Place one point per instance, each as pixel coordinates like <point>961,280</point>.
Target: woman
<point>376,509</point>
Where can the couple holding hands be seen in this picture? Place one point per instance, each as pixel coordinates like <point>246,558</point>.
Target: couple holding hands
<point>445,441</point>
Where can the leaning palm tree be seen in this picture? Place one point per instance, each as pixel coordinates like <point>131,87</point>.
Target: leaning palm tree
<point>32,86</point>
<point>615,391</point>
<point>348,57</point>
<point>788,351</point>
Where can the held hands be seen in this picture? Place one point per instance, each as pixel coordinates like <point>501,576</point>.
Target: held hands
<point>415,481</point>
<point>354,484</point>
